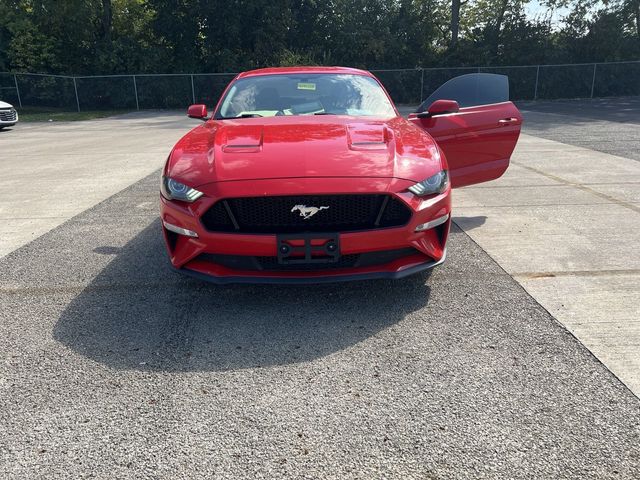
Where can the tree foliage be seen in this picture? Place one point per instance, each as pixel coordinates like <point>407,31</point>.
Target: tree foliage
<point>124,36</point>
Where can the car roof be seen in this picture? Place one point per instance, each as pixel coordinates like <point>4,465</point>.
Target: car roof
<point>286,70</point>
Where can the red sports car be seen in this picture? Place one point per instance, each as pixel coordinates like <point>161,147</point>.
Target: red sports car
<point>310,174</point>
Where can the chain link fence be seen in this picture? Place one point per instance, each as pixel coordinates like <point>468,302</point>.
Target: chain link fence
<point>406,86</point>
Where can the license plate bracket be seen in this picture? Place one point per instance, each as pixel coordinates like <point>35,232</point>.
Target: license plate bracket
<point>314,248</point>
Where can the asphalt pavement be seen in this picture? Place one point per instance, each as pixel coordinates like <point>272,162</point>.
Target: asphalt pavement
<point>609,125</point>
<point>53,171</point>
<point>114,366</point>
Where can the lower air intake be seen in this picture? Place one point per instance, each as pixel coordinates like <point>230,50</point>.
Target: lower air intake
<point>251,263</point>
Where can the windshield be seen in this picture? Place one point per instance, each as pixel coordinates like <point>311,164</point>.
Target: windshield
<point>305,94</point>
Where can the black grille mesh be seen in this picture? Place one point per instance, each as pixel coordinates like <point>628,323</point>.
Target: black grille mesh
<point>273,214</point>
<point>7,115</point>
<point>246,262</point>
<point>271,264</point>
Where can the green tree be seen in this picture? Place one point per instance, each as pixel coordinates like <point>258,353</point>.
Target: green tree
<point>124,36</point>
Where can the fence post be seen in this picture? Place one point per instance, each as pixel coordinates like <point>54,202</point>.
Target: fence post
<point>15,80</point>
<point>135,90</point>
<point>193,91</point>
<point>75,87</point>
<point>593,79</point>
<point>535,92</point>
<point>421,84</point>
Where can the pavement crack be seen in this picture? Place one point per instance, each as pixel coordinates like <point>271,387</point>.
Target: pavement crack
<point>577,273</point>
<point>579,186</point>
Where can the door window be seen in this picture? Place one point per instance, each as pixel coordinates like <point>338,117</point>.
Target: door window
<point>471,90</point>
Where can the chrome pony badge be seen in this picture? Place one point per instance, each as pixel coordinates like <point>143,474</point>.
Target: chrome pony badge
<point>307,212</point>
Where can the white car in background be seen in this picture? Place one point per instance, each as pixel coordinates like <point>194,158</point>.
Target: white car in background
<point>8,115</point>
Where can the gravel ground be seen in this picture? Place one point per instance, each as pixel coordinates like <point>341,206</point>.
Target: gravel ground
<point>113,366</point>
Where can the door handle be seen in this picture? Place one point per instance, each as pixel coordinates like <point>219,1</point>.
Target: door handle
<point>507,121</point>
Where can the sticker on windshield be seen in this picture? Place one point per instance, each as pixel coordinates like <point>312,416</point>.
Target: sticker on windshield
<point>306,86</point>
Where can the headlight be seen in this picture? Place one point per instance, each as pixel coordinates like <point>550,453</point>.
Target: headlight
<point>435,184</point>
<point>173,190</point>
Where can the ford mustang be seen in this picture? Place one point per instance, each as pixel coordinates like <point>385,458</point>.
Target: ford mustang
<point>310,174</point>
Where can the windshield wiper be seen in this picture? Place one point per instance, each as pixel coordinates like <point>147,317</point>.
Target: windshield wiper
<point>325,113</point>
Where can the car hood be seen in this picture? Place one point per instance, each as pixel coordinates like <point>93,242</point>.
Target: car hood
<point>315,146</point>
<point>5,105</point>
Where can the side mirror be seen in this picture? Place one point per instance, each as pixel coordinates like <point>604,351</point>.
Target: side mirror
<point>440,107</point>
<point>197,111</point>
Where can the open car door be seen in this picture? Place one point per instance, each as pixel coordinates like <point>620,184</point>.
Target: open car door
<point>475,125</point>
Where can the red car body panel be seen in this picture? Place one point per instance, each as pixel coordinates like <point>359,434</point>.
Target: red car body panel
<point>477,141</point>
<point>320,156</point>
<point>336,146</point>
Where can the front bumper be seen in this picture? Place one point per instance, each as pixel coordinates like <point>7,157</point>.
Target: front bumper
<point>8,117</point>
<point>334,277</point>
<point>196,254</point>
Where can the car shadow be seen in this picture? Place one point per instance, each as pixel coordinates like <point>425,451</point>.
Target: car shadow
<point>469,223</point>
<point>139,314</point>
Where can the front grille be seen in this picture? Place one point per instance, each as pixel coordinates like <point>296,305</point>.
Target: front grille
<point>272,215</point>
<point>8,115</point>
<point>270,264</point>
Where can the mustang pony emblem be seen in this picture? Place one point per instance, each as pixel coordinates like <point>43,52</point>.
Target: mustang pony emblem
<point>307,212</point>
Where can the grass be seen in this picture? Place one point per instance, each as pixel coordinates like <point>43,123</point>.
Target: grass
<point>29,115</point>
